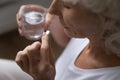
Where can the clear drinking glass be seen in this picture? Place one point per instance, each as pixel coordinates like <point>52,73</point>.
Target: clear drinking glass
<point>33,24</point>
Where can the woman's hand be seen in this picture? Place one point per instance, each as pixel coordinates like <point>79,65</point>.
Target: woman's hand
<point>52,23</point>
<point>22,10</point>
<point>38,60</point>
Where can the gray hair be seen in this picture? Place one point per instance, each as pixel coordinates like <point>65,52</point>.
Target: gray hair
<point>109,9</point>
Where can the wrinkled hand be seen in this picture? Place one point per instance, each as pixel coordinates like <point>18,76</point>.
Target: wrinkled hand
<point>22,10</point>
<point>38,60</point>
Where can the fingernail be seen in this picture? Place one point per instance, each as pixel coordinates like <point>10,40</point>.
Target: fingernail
<point>46,33</point>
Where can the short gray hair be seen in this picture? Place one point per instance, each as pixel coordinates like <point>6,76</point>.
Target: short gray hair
<point>109,8</point>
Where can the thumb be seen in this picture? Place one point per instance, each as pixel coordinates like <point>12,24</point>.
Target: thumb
<point>45,39</point>
<point>45,47</point>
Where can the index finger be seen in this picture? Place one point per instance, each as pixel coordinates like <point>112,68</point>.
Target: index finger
<point>46,50</point>
<point>19,19</point>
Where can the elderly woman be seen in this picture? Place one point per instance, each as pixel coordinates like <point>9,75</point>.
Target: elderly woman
<point>95,59</point>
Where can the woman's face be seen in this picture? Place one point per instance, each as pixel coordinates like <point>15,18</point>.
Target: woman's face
<point>77,21</point>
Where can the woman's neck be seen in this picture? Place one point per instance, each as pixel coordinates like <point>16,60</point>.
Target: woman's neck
<point>98,52</point>
<point>95,56</point>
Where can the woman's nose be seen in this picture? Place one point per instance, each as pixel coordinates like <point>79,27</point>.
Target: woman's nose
<point>54,7</point>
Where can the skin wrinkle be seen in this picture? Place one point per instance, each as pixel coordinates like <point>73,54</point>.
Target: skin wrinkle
<point>94,19</point>
<point>99,37</point>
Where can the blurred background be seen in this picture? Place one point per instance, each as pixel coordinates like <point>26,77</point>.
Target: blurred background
<point>10,40</point>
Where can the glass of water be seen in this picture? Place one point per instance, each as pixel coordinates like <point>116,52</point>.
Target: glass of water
<point>33,24</point>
